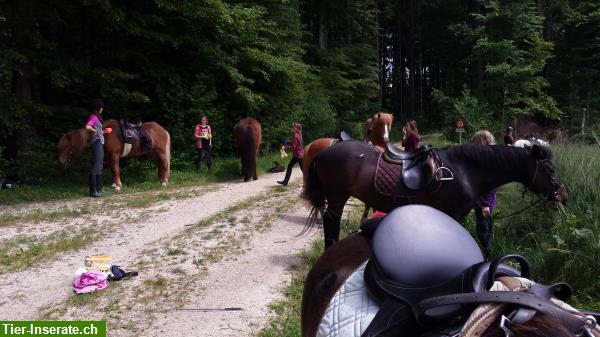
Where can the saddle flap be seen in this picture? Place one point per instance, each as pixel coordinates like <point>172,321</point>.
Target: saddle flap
<point>418,172</point>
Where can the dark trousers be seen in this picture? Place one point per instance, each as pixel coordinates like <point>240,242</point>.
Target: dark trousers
<point>484,231</point>
<point>288,173</point>
<point>204,154</point>
<point>97,159</point>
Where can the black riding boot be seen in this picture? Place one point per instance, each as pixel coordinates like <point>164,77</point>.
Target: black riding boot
<point>99,184</point>
<point>93,190</point>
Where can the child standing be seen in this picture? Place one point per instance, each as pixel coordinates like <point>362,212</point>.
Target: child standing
<point>203,135</point>
<point>298,152</point>
<point>486,203</point>
<point>411,139</point>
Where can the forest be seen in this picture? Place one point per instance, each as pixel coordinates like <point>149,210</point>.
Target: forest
<point>325,64</point>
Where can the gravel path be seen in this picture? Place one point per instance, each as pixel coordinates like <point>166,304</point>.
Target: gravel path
<point>251,281</point>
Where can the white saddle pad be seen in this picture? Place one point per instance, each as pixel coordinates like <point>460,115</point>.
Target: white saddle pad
<point>351,309</point>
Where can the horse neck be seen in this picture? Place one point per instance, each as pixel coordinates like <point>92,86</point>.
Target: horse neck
<point>489,167</point>
<point>83,141</point>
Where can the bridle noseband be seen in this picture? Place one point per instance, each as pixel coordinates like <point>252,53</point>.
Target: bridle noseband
<point>547,165</point>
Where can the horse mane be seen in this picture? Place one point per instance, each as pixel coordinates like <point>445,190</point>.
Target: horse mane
<point>488,156</point>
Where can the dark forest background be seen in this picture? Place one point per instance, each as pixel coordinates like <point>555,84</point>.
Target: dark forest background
<point>326,64</point>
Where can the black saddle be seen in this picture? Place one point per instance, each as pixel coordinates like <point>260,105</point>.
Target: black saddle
<point>427,272</point>
<point>131,132</point>
<point>418,167</point>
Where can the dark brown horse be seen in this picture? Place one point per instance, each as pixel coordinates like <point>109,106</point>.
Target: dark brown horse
<point>77,140</point>
<point>337,263</point>
<point>348,169</point>
<point>248,136</point>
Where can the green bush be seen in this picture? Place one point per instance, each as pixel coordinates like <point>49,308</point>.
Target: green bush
<point>563,244</point>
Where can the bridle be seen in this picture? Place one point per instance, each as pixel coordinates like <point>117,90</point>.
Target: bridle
<point>546,165</point>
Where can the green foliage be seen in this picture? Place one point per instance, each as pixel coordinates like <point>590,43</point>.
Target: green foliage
<point>562,244</point>
<point>476,114</point>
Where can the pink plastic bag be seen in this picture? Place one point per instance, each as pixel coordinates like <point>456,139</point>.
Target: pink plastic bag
<point>89,281</point>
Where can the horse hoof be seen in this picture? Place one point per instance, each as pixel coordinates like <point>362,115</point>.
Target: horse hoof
<point>164,184</point>
<point>114,185</point>
<point>117,188</point>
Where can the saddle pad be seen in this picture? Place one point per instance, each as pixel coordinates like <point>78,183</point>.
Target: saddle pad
<point>387,177</point>
<point>388,182</point>
<point>351,309</point>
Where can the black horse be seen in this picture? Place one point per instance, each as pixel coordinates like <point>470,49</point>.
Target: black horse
<point>350,169</point>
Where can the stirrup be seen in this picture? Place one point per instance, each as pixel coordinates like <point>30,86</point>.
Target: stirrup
<point>442,169</point>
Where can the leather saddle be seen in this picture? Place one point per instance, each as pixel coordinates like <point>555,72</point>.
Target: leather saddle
<point>418,167</point>
<point>428,273</point>
<point>131,132</point>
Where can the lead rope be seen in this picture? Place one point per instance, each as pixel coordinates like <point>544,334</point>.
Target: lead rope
<point>533,203</point>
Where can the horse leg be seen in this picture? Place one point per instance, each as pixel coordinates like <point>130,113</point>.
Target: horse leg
<point>332,219</point>
<point>116,171</point>
<point>162,163</point>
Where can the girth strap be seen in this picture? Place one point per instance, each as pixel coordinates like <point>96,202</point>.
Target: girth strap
<point>394,318</point>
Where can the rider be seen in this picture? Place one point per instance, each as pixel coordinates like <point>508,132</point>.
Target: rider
<point>96,142</point>
<point>298,152</point>
<point>411,139</point>
<point>203,135</point>
<point>486,202</point>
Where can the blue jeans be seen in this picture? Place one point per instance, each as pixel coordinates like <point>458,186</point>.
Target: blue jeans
<point>484,231</point>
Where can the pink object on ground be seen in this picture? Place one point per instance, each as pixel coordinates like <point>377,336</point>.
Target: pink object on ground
<point>89,281</point>
<point>377,215</point>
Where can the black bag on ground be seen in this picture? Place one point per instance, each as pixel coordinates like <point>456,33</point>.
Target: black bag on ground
<point>116,273</point>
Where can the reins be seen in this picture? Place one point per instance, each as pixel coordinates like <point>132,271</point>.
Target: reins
<point>537,164</point>
<point>521,211</point>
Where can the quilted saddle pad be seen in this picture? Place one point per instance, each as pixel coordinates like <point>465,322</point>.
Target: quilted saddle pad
<point>351,309</point>
<point>388,181</point>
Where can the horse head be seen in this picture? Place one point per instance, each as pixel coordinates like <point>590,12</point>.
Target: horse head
<point>544,180</point>
<point>70,144</point>
<point>380,127</point>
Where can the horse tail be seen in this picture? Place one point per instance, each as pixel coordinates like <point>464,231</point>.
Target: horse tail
<point>250,153</point>
<point>313,193</point>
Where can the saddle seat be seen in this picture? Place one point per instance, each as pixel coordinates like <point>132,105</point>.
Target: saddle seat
<point>131,132</point>
<point>418,167</point>
<point>420,253</point>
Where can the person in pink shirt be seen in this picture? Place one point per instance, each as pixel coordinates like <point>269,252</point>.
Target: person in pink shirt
<point>203,135</point>
<point>96,142</point>
<point>297,149</point>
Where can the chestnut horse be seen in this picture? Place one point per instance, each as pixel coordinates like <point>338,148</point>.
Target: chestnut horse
<point>76,141</point>
<point>248,136</point>
<point>376,130</point>
<point>348,169</point>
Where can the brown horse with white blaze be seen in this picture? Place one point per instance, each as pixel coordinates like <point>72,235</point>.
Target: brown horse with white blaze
<point>248,136</point>
<point>77,140</point>
<point>376,130</point>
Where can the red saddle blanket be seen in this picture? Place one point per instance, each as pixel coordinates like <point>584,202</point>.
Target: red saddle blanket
<point>388,181</point>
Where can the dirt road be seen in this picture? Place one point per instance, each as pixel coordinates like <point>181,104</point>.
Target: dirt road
<point>198,252</point>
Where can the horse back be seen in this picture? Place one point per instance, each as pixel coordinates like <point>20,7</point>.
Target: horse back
<point>327,275</point>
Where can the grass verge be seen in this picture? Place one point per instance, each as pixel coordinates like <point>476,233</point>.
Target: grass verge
<point>139,175</point>
<point>286,322</point>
